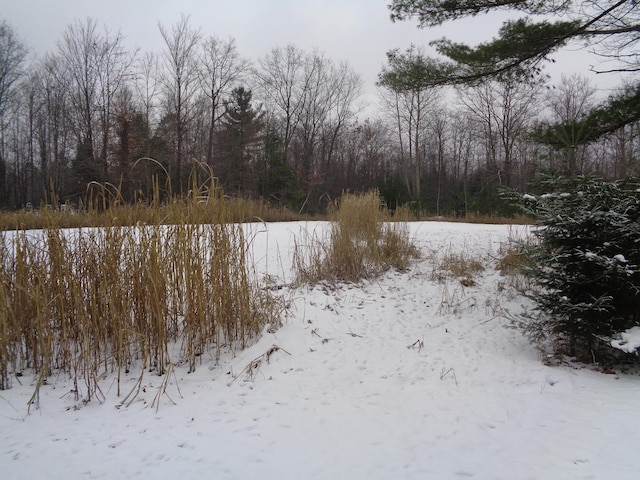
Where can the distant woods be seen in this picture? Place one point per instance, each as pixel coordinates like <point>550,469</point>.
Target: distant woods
<point>289,128</point>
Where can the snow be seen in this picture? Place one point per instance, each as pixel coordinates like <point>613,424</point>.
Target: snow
<point>620,258</point>
<point>399,378</point>
<point>629,340</point>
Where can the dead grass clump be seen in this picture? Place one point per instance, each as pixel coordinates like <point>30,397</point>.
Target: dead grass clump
<point>362,243</point>
<point>457,265</point>
<point>512,259</point>
<point>461,265</point>
<point>90,301</point>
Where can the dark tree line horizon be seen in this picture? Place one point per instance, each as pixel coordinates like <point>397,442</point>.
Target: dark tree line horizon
<point>287,128</point>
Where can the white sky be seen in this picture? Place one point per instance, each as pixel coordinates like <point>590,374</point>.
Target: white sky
<point>357,31</point>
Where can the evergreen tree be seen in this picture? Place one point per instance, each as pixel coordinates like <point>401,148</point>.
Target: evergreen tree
<point>522,46</point>
<point>586,261</point>
<point>84,170</point>
<point>393,190</point>
<point>615,113</point>
<point>134,139</point>
<point>276,179</point>
<point>239,143</point>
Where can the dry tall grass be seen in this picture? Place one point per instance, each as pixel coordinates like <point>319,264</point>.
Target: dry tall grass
<point>113,212</point>
<point>362,243</point>
<point>87,302</point>
<point>238,210</point>
<point>513,259</point>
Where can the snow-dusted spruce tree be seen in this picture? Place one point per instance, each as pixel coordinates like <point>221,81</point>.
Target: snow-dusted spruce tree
<point>586,262</point>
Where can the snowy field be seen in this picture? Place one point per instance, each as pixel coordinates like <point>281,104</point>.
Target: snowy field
<point>402,378</point>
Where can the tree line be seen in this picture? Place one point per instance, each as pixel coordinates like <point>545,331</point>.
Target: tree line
<point>288,128</point>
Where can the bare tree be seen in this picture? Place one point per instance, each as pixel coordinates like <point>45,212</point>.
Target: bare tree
<point>409,102</point>
<point>180,82</point>
<point>504,110</point>
<point>614,34</point>
<point>410,110</point>
<point>623,150</point>
<point>367,148</point>
<point>314,113</point>
<point>568,103</point>
<point>462,152</point>
<point>53,134</point>
<point>13,54</point>
<point>115,72</point>
<point>571,99</point>
<point>77,72</point>
<point>222,69</point>
<point>312,99</point>
<point>283,86</point>
<point>330,91</point>
<point>344,88</point>
<point>146,87</point>
<point>439,128</point>
<point>92,65</point>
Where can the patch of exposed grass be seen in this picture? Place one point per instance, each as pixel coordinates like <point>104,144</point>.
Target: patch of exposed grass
<point>460,266</point>
<point>513,258</point>
<point>362,243</point>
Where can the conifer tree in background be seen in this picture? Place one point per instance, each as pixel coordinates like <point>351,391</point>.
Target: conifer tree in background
<point>276,180</point>
<point>239,142</point>
<point>586,262</point>
<point>610,28</point>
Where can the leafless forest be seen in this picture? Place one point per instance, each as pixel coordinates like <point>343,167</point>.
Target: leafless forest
<point>289,128</point>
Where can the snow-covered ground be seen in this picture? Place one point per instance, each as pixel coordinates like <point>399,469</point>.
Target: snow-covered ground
<point>401,378</point>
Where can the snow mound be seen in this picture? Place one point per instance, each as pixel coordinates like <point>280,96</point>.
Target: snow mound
<point>629,340</point>
<point>406,377</point>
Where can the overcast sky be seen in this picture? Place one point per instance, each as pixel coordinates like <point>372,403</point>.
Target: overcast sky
<point>356,31</point>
